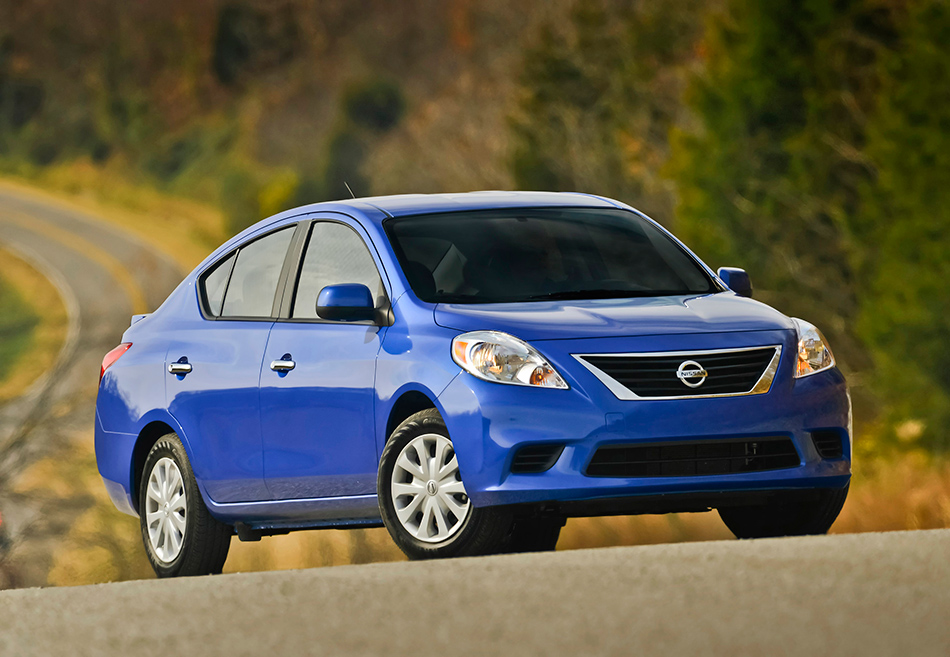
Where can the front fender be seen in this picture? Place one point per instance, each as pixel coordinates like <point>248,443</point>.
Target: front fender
<point>411,361</point>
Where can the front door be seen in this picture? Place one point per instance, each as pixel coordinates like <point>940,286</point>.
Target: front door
<point>317,418</point>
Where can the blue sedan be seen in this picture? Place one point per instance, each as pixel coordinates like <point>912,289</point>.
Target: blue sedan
<point>468,370</point>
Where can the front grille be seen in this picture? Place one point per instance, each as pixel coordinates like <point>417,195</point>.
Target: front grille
<point>703,457</point>
<point>532,459</point>
<point>828,444</point>
<point>733,372</point>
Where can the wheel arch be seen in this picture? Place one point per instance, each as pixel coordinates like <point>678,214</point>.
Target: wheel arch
<point>155,425</point>
<point>406,405</point>
<point>148,436</point>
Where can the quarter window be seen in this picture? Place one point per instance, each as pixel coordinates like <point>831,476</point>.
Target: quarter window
<point>250,292</point>
<point>335,254</point>
<point>215,282</point>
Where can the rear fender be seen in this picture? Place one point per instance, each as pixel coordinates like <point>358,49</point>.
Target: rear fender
<point>161,415</point>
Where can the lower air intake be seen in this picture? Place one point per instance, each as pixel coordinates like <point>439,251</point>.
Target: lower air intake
<point>694,458</point>
<point>532,459</point>
<point>828,444</point>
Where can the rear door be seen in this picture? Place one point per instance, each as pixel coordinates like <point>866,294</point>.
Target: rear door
<point>318,418</point>
<point>213,367</point>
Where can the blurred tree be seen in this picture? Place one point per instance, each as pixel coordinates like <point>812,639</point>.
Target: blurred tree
<point>252,37</point>
<point>369,110</point>
<point>598,98</point>
<point>905,222</point>
<point>309,190</point>
<point>171,156</point>
<point>770,177</point>
<point>20,99</point>
<point>346,153</point>
<point>239,199</point>
<point>238,27</point>
<point>377,104</point>
<point>278,193</point>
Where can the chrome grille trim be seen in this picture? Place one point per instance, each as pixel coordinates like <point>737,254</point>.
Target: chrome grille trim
<point>762,386</point>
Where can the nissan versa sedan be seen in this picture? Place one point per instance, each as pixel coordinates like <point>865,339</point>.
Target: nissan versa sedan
<point>468,370</point>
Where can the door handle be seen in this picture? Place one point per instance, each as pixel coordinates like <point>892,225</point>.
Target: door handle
<point>181,368</point>
<point>285,364</point>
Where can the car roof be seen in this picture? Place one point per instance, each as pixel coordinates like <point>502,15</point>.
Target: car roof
<point>409,204</point>
<point>377,209</point>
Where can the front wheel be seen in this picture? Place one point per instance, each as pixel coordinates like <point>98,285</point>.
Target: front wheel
<point>180,535</point>
<point>786,517</point>
<point>423,501</point>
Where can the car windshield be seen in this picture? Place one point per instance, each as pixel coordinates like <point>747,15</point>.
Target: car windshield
<point>519,254</point>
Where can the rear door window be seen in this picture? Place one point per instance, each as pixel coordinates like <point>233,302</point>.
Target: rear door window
<point>253,284</point>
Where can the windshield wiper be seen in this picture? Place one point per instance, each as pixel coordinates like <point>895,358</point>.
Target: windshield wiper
<point>603,294</point>
<point>458,298</point>
<point>562,295</point>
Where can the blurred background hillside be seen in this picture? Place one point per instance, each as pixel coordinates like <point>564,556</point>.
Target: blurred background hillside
<point>807,141</point>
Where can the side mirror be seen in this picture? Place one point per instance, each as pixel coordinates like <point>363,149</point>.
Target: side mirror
<point>347,302</point>
<point>736,280</point>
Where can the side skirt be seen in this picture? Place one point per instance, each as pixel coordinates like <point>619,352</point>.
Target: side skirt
<point>280,516</point>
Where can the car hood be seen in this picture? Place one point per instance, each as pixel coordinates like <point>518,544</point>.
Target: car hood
<point>598,318</point>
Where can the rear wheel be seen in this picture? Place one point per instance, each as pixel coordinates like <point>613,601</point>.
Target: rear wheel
<point>786,517</point>
<point>423,501</point>
<point>180,535</point>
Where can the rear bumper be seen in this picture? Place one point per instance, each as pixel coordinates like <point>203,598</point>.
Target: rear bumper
<point>114,459</point>
<point>490,422</point>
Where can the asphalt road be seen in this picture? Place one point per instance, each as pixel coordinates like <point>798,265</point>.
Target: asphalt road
<point>865,594</point>
<point>104,275</point>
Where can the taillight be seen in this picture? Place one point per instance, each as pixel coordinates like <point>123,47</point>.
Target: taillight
<point>111,357</point>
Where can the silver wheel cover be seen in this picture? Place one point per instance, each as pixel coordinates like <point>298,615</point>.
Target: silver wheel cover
<point>165,510</point>
<point>427,491</point>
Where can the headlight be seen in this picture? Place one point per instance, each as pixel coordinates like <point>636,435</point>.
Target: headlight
<point>502,358</point>
<point>814,354</point>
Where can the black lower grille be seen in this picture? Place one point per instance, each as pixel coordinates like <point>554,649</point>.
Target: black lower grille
<point>704,457</point>
<point>727,372</point>
<point>828,444</point>
<point>532,459</point>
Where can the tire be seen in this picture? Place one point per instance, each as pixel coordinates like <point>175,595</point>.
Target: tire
<point>410,504</point>
<point>787,517</point>
<point>194,543</point>
<point>534,534</point>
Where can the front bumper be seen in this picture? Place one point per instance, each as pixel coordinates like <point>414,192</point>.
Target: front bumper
<point>489,422</point>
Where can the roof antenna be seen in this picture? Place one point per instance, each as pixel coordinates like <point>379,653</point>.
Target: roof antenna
<point>348,189</point>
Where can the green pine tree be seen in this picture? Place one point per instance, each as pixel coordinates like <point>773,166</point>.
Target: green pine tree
<point>770,176</point>
<point>905,313</point>
<point>598,97</point>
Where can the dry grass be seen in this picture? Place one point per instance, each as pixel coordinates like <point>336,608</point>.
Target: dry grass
<point>102,545</point>
<point>47,335</point>
<point>907,491</point>
<point>185,230</point>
